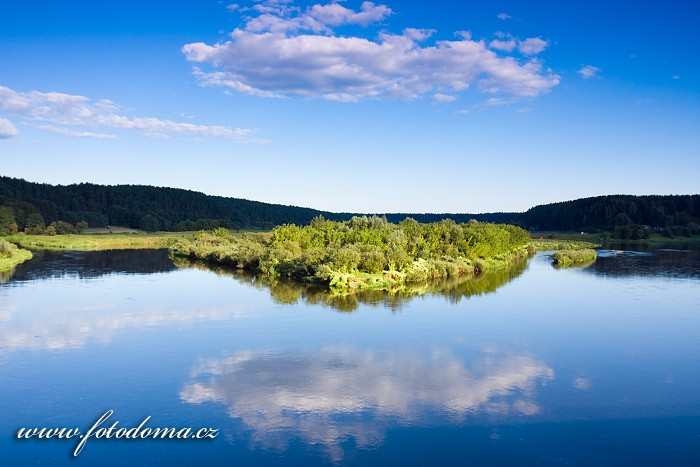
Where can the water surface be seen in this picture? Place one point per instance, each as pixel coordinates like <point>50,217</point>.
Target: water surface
<point>532,366</point>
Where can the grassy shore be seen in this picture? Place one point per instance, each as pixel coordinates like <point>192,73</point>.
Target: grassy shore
<point>93,242</point>
<point>568,258</point>
<point>11,256</point>
<point>546,244</point>
<point>598,238</point>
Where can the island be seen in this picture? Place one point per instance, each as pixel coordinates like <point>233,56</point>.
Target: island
<point>365,252</point>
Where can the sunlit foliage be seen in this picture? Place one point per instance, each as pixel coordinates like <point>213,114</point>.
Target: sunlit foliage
<point>365,251</point>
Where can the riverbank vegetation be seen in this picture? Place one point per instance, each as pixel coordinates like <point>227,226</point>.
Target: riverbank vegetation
<point>546,244</point>
<point>93,242</point>
<point>364,252</point>
<point>11,255</point>
<point>568,258</point>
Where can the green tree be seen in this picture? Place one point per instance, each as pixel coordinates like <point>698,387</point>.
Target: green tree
<point>7,219</point>
<point>61,228</point>
<point>149,223</point>
<point>35,224</point>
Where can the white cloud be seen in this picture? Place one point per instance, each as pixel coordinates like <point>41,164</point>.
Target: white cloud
<point>335,14</point>
<point>504,46</point>
<point>676,76</point>
<point>418,35</point>
<point>332,395</point>
<point>589,71</point>
<point>440,98</point>
<point>7,129</point>
<point>503,16</point>
<point>280,17</point>
<point>73,110</point>
<point>288,52</point>
<point>76,134</point>
<point>494,101</point>
<point>532,46</point>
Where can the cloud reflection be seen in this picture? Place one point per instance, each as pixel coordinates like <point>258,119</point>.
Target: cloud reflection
<point>62,329</point>
<point>334,395</point>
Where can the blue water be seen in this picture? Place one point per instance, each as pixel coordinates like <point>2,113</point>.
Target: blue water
<point>593,366</point>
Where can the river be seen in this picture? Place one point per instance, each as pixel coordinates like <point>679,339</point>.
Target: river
<point>531,366</point>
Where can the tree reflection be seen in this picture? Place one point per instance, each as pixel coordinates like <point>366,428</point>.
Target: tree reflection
<point>287,291</point>
<point>48,264</point>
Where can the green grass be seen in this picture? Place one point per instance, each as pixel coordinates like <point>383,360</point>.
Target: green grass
<point>92,242</point>
<point>11,256</point>
<point>604,237</point>
<point>657,238</point>
<point>568,258</point>
<point>546,244</point>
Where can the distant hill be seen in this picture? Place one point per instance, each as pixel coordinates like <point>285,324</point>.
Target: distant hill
<point>28,205</point>
<point>145,207</point>
<point>155,208</point>
<point>671,214</point>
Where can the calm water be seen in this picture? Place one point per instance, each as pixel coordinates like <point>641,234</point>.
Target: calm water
<point>533,366</point>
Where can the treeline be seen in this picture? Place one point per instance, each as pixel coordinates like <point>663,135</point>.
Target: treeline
<point>625,216</point>
<point>364,252</point>
<point>493,217</point>
<point>34,206</point>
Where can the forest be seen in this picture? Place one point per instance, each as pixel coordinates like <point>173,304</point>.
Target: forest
<point>624,216</point>
<point>55,209</point>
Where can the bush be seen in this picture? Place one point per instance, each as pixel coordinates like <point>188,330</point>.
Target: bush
<point>566,258</point>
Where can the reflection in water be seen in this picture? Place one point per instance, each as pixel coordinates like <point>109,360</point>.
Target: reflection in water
<point>673,260</point>
<point>336,395</point>
<point>6,274</point>
<point>47,264</point>
<point>287,291</point>
<point>61,328</point>
<point>65,313</point>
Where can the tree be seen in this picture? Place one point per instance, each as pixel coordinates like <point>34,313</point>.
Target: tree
<point>149,223</point>
<point>60,228</point>
<point>7,219</point>
<point>35,224</point>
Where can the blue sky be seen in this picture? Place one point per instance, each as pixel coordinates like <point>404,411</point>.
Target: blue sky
<point>356,106</point>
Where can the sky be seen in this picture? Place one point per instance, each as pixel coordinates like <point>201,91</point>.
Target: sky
<point>352,106</point>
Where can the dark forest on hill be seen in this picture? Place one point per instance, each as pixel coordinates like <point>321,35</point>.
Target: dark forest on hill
<point>33,207</point>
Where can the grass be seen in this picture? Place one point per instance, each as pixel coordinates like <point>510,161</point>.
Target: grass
<point>597,238</point>
<point>11,256</point>
<point>657,238</point>
<point>568,258</point>
<point>93,242</point>
<point>546,244</point>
